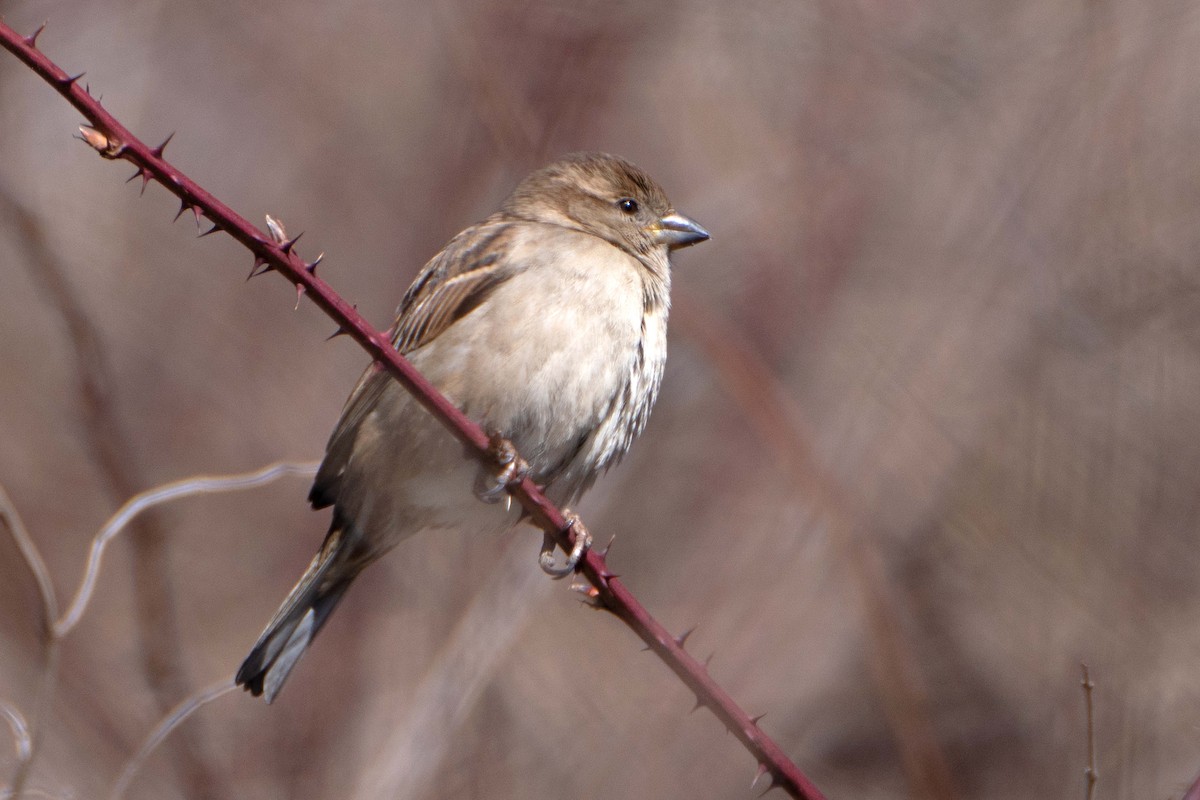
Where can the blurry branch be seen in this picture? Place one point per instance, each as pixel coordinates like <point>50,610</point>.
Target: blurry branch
<point>777,419</point>
<point>1193,792</point>
<point>20,731</point>
<point>55,628</point>
<point>188,487</point>
<point>28,735</point>
<point>113,452</point>
<point>408,762</point>
<point>177,716</point>
<point>1090,775</point>
<point>113,141</point>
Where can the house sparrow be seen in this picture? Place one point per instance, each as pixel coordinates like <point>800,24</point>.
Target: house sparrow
<point>547,324</point>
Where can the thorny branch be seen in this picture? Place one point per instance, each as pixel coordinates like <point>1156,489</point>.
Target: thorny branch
<point>113,141</point>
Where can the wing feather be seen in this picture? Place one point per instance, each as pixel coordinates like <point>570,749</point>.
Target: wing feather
<point>453,284</point>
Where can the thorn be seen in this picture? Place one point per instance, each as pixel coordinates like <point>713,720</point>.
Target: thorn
<point>158,151</point>
<point>144,175</point>
<point>31,39</point>
<point>682,638</point>
<point>260,266</point>
<point>607,547</point>
<point>339,332</point>
<point>762,770</point>
<point>287,246</point>
<point>699,705</point>
<point>93,138</point>
<point>299,294</point>
<point>710,658</point>
<point>757,718</point>
<point>211,230</point>
<point>66,82</point>
<point>184,205</point>
<point>311,267</point>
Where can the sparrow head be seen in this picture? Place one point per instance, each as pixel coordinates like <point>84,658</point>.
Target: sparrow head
<point>608,197</point>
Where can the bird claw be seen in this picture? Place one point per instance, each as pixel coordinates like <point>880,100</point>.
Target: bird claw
<point>507,468</point>
<point>583,540</point>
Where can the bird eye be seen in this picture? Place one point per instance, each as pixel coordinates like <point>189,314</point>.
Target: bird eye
<point>628,205</point>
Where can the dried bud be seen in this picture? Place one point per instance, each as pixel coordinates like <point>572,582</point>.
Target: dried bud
<point>276,229</point>
<point>100,142</point>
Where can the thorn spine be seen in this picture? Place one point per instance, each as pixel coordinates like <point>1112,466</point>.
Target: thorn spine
<point>157,152</point>
<point>31,39</point>
<point>682,638</point>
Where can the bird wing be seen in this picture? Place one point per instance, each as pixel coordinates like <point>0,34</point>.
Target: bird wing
<point>454,283</point>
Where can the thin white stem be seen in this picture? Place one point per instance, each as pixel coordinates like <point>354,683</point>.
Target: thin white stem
<point>169,723</point>
<point>197,485</point>
<point>20,730</point>
<point>33,558</point>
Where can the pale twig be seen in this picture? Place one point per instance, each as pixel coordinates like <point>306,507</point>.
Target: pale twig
<point>407,760</point>
<point>188,487</point>
<point>5,795</point>
<point>20,730</point>
<point>55,628</point>
<point>33,560</point>
<point>177,715</point>
<point>37,566</point>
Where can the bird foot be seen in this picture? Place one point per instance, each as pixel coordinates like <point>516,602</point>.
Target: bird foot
<point>583,540</point>
<point>506,469</point>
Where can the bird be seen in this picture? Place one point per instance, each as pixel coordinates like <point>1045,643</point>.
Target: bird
<point>546,323</point>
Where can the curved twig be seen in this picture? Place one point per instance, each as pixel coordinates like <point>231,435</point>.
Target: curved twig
<point>169,723</point>
<point>196,485</point>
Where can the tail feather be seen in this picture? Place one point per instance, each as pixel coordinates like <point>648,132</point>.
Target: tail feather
<point>291,630</point>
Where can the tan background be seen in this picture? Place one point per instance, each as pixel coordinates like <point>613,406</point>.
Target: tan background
<point>929,436</point>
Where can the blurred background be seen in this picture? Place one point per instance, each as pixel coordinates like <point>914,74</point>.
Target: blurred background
<point>928,439</point>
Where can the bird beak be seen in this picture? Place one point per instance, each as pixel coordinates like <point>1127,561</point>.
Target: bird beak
<point>676,230</point>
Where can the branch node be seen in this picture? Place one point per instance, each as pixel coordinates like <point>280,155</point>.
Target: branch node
<point>107,146</point>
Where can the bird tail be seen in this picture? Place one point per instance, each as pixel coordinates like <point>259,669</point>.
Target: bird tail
<point>304,611</point>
